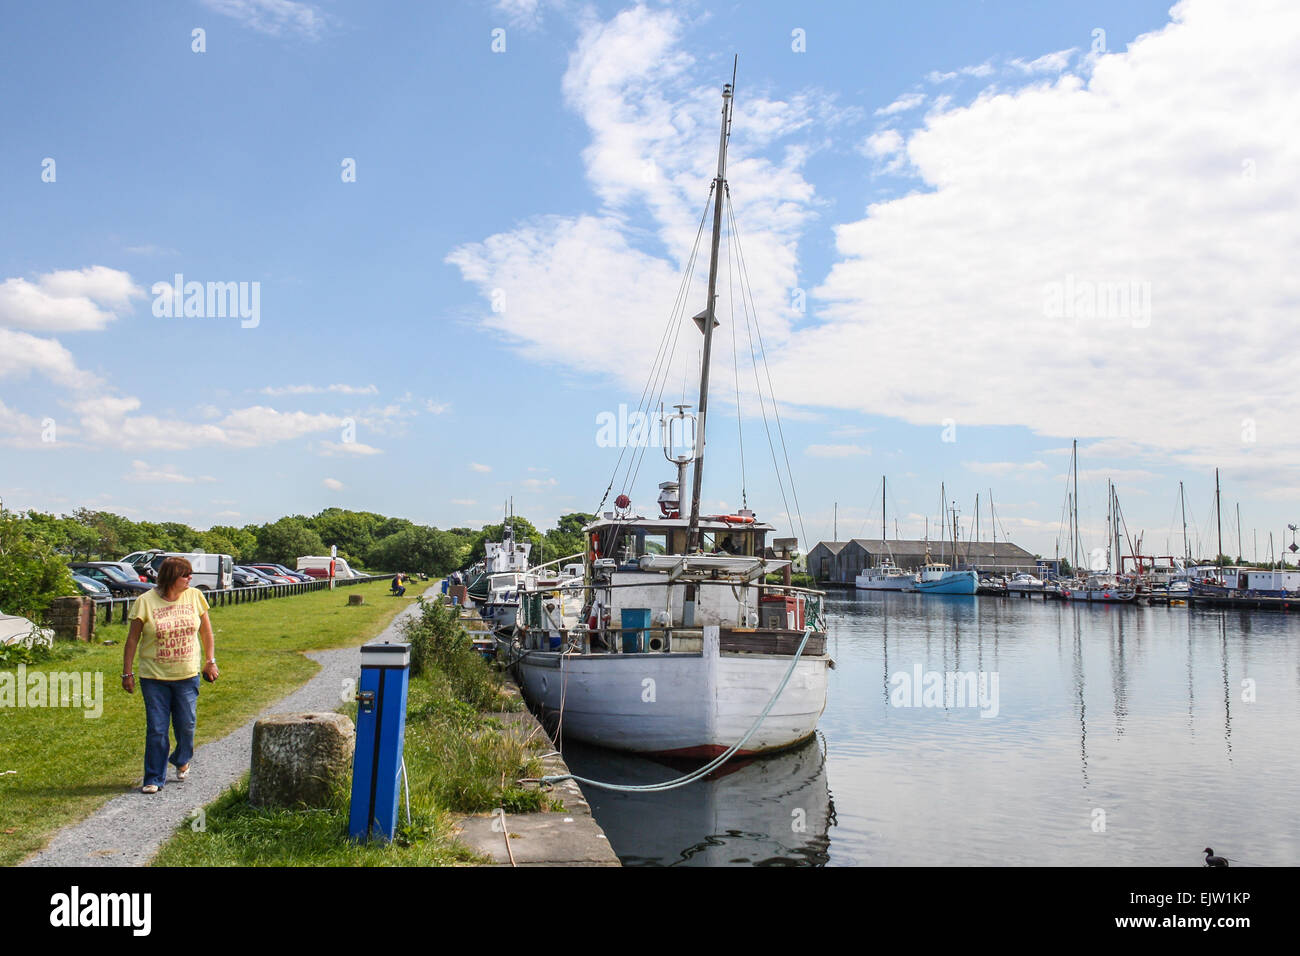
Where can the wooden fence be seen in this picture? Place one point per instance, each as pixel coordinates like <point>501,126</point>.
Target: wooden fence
<point>107,608</point>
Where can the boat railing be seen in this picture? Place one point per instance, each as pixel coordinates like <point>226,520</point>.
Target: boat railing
<point>664,639</point>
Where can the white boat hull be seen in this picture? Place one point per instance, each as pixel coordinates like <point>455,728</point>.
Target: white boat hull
<point>900,582</point>
<point>688,705</point>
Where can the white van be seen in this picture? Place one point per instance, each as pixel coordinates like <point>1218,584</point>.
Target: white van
<point>212,572</point>
<point>319,567</point>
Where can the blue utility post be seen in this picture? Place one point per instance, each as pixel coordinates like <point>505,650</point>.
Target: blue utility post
<point>381,732</point>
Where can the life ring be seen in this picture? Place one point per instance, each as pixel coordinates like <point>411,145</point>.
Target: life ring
<point>737,519</point>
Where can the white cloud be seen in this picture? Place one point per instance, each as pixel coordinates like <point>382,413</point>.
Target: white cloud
<point>836,451</point>
<point>1047,63</point>
<point>907,101</point>
<point>1166,167</point>
<point>107,420</point>
<point>1163,168</point>
<point>463,501</point>
<point>320,389</point>
<point>69,300</point>
<point>332,448</point>
<point>536,484</point>
<point>475,466</point>
<point>520,13</point>
<point>274,17</point>
<point>21,354</point>
<point>18,430</point>
<point>333,484</point>
<point>886,142</point>
<point>165,474</point>
<point>652,153</point>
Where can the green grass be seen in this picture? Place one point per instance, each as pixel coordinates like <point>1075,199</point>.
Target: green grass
<point>68,765</point>
<point>463,751</point>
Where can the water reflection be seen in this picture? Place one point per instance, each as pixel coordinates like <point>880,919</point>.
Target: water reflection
<point>1136,711</point>
<point>764,811</point>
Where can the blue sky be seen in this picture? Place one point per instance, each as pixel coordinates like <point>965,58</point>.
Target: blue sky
<point>926,174</point>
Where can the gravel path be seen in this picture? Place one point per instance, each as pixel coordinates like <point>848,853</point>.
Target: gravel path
<point>130,829</point>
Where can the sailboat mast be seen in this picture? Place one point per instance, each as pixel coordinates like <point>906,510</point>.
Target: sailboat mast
<point>1218,514</point>
<point>1239,531</point>
<point>1074,465</point>
<point>719,186</point>
<point>1187,545</point>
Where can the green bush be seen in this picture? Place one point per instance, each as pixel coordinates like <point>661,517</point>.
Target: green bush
<point>31,574</point>
<point>439,642</point>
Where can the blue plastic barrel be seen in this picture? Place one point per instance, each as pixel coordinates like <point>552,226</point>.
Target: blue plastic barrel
<point>636,622</point>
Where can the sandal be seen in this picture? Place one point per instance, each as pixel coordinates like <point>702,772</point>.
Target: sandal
<point>182,771</point>
<point>149,788</point>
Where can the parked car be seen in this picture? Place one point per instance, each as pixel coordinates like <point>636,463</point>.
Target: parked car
<point>126,567</point>
<point>273,572</point>
<point>112,577</point>
<point>246,579</point>
<point>19,630</point>
<point>212,572</point>
<point>92,588</point>
<point>301,576</point>
<point>319,567</point>
<point>142,562</point>
<point>261,579</point>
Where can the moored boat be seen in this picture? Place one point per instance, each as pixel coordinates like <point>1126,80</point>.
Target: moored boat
<point>683,647</point>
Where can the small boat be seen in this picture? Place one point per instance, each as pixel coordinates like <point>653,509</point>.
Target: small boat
<point>940,578</point>
<point>886,576</point>
<point>1100,589</point>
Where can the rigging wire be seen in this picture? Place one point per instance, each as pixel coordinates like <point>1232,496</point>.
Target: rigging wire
<point>762,404</point>
<point>735,364</point>
<point>660,362</point>
<point>745,284</point>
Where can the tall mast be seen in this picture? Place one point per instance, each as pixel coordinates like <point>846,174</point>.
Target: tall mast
<point>1187,545</point>
<point>883,531</point>
<point>1239,558</point>
<point>993,521</point>
<point>1218,514</point>
<point>1074,464</point>
<point>719,185</point>
<point>943,516</point>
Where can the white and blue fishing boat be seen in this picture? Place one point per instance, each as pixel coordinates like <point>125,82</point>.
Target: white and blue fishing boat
<point>939,578</point>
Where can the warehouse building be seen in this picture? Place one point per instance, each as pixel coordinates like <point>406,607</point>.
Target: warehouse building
<point>840,562</point>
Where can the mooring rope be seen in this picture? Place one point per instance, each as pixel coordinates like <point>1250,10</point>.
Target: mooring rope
<point>703,771</point>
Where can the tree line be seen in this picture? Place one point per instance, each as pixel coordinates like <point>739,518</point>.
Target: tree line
<point>36,547</point>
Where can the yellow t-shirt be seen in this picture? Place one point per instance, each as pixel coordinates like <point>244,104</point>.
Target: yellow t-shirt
<point>170,648</point>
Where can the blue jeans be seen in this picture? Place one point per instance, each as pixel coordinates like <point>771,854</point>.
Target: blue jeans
<point>173,702</point>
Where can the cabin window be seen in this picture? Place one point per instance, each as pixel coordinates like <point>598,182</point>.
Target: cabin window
<point>651,543</point>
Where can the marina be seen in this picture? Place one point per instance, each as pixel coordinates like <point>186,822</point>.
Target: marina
<point>1123,736</point>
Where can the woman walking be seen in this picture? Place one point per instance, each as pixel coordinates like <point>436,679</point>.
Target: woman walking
<point>170,624</point>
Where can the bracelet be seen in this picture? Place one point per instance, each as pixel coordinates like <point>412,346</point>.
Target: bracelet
<point>212,660</point>
<point>128,675</point>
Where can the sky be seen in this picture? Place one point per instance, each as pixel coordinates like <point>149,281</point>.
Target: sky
<point>426,255</point>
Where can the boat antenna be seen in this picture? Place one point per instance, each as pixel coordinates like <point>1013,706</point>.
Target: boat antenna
<point>710,319</point>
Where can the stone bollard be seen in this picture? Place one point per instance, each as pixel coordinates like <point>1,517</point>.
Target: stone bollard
<point>73,617</point>
<point>299,758</point>
<point>354,599</point>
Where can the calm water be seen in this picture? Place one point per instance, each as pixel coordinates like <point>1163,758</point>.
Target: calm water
<point>1122,736</point>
